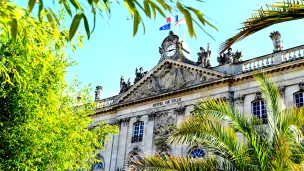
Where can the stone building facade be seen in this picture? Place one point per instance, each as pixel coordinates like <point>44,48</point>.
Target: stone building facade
<point>158,100</point>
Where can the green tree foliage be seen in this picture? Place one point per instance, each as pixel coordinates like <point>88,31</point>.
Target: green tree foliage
<point>264,17</point>
<point>42,124</point>
<point>214,124</point>
<point>136,8</point>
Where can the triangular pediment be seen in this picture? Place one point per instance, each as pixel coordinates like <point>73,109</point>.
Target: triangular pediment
<point>169,75</point>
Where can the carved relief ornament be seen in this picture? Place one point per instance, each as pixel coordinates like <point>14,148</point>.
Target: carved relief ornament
<point>240,99</point>
<point>258,95</point>
<point>164,124</point>
<point>180,110</point>
<point>168,78</point>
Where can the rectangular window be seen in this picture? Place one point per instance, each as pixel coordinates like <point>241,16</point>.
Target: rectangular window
<point>259,110</point>
<point>299,101</point>
<point>138,132</point>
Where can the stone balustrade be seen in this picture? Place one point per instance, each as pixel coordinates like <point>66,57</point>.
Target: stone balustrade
<point>273,59</point>
<point>258,63</point>
<point>293,54</point>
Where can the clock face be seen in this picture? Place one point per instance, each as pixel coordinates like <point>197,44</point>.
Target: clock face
<point>171,50</point>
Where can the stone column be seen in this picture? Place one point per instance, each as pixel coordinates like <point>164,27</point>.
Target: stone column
<point>180,115</point>
<point>282,96</point>
<point>107,153</point>
<point>147,145</point>
<point>114,152</point>
<point>123,134</point>
<point>188,109</point>
<point>149,133</point>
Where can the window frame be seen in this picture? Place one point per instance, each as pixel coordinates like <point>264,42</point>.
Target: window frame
<point>192,149</point>
<point>260,108</point>
<point>294,98</point>
<point>103,166</point>
<point>138,132</point>
<point>260,115</point>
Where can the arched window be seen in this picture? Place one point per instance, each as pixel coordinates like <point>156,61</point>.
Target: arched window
<point>98,166</point>
<point>299,99</point>
<point>138,132</point>
<point>197,153</point>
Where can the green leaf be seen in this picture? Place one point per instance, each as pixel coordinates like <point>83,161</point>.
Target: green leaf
<point>203,29</point>
<point>107,3</point>
<point>75,24</point>
<point>94,20</point>
<point>76,4</point>
<point>147,8</point>
<point>136,23</point>
<point>54,16</point>
<point>31,4</point>
<point>188,19</point>
<point>14,27</point>
<point>140,6</point>
<point>40,10</point>
<point>50,18</point>
<point>164,5</point>
<point>199,15</point>
<point>86,26</point>
<point>67,7</point>
<point>154,6</point>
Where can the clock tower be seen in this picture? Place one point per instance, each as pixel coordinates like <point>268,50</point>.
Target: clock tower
<point>172,48</point>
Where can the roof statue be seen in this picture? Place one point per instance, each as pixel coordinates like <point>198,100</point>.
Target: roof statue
<point>230,57</point>
<point>276,40</point>
<point>139,75</point>
<point>123,85</point>
<point>204,57</point>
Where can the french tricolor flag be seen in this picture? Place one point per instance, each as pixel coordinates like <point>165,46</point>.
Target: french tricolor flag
<point>172,19</point>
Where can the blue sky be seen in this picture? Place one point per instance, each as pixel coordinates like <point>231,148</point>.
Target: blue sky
<point>112,51</point>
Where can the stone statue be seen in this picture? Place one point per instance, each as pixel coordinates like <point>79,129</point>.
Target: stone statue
<point>128,84</point>
<point>276,40</point>
<point>139,75</point>
<point>97,92</point>
<point>230,57</point>
<point>123,85</point>
<point>204,57</point>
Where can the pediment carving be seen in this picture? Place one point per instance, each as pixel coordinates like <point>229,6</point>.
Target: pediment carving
<point>168,78</point>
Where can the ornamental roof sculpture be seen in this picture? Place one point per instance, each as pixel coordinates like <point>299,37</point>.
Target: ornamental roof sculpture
<point>230,57</point>
<point>276,40</point>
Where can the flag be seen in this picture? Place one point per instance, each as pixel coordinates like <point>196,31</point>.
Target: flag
<point>182,21</point>
<point>172,19</point>
<point>165,27</point>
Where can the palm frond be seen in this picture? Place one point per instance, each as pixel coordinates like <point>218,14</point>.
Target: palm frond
<point>219,109</point>
<point>211,134</point>
<point>271,95</point>
<point>273,14</point>
<point>174,163</point>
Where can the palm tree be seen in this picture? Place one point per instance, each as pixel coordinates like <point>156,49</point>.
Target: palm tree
<point>216,125</point>
<point>273,14</point>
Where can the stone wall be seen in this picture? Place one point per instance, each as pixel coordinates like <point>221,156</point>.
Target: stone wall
<point>118,149</point>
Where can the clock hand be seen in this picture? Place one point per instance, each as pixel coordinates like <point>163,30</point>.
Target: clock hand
<point>170,50</point>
